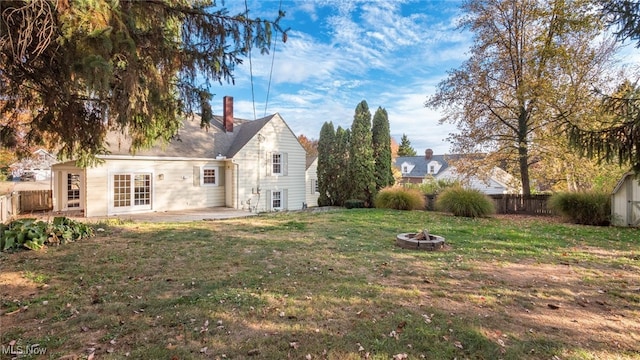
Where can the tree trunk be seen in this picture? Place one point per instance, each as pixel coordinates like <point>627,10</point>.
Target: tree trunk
<point>523,149</point>
<point>523,159</point>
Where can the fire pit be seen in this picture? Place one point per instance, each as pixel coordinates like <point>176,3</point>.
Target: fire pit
<point>420,241</point>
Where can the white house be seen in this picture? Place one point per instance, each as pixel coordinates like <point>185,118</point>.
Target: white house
<point>254,165</point>
<point>38,165</point>
<point>311,175</point>
<point>415,169</point>
<point>625,201</point>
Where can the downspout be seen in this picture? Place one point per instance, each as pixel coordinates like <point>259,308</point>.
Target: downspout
<point>233,161</point>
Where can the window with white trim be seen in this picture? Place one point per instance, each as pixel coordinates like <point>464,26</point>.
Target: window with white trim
<point>276,162</point>
<point>432,169</point>
<point>209,176</point>
<point>131,191</point>
<point>276,200</point>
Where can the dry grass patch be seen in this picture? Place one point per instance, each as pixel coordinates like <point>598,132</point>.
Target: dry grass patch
<point>329,285</point>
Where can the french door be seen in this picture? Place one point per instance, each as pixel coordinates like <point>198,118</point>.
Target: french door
<point>130,192</point>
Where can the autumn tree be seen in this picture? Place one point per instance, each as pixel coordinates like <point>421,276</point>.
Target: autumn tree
<point>310,145</point>
<point>78,69</point>
<point>381,142</point>
<point>405,149</point>
<point>531,63</point>
<point>361,162</point>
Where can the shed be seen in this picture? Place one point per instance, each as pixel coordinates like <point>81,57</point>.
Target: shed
<point>625,201</point>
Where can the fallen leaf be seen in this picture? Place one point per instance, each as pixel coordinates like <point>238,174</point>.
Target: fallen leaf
<point>294,345</point>
<point>308,357</point>
<point>458,344</point>
<point>553,306</point>
<point>253,352</point>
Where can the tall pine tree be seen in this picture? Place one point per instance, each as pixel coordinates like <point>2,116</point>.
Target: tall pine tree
<point>361,163</point>
<point>405,148</point>
<point>343,185</point>
<point>381,140</point>
<point>326,164</point>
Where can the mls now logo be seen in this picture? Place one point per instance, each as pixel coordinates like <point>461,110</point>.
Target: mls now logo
<point>18,350</point>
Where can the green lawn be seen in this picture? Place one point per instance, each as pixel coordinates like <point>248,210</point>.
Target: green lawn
<point>329,285</point>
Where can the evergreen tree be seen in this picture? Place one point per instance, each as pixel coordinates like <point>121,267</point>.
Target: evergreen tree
<point>361,163</point>
<point>343,184</point>
<point>381,139</point>
<point>405,148</point>
<point>326,165</point>
<point>73,70</point>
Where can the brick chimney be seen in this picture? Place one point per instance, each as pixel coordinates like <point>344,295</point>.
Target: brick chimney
<point>227,117</point>
<point>428,154</point>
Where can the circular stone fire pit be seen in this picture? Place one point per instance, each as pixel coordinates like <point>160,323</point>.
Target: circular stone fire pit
<point>420,241</point>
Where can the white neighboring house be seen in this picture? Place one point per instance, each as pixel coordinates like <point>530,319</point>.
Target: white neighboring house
<point>311,175</point>
<point>37,166</point>
<point>415,169</point>
<point>254,165</point>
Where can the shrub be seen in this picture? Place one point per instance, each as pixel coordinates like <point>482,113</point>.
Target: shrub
<point>400,199</point>
<point>354,204</point>
<point>587,208</point>
<point>465,202</point>
<point>35,234</point>
<point>432,186</point>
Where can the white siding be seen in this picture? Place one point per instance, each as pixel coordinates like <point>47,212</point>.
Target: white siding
<point>625,202</point>
<point>172,185</point>
<point>311,181</point>
<point>59,172</point>
<point>255,168</point>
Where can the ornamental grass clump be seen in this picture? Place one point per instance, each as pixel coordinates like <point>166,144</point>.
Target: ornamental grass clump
<point>585,208</point>
<point>400,199</point>
<point>465,202</point>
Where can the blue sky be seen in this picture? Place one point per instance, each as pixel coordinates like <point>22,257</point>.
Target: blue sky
<point>340,52</point>
<point>391,53</point>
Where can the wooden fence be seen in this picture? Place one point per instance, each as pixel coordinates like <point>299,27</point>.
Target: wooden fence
<point>521,204</point>
<point>510,204</point>
<point>21,202</point>
<point>35,200</point>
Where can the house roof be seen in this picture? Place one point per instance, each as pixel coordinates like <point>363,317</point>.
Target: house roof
<point>194,141</point>
<point>310,159</point>
<point>622,181</point>
<point>39,159</point>
<point>421,164</point>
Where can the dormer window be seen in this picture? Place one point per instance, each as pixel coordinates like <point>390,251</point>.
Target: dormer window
<point>432,169</point>
<point>405,169</point>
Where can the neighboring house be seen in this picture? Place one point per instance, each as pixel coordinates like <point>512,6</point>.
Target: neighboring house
<point>251,165</point>
<point>625,201</point>
<point>416,169</point>
<point>37,166</point>
<point>311,175</point>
